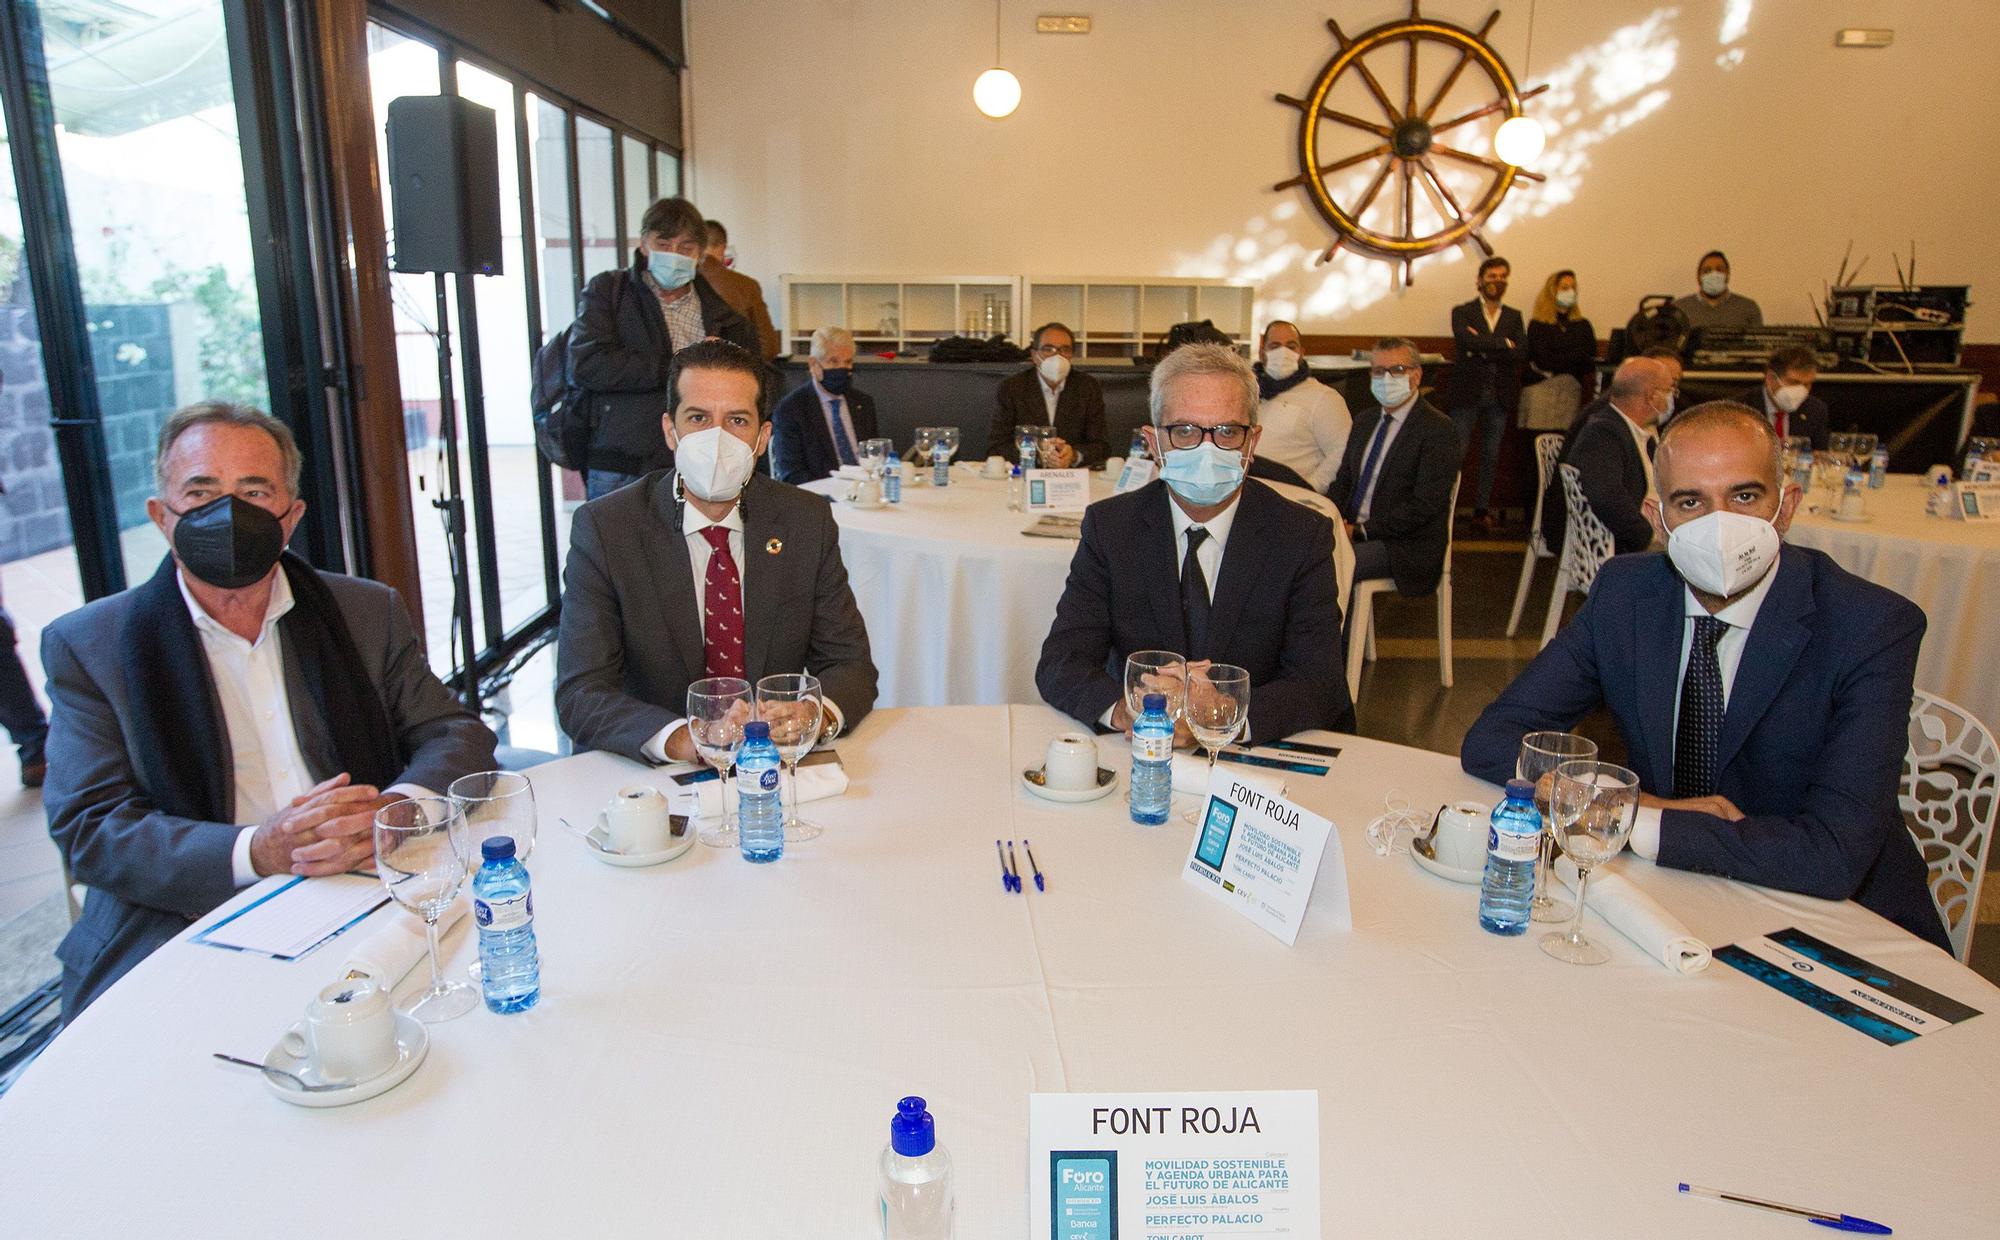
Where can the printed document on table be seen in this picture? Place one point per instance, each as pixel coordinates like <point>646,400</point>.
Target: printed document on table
<point>297,915</point>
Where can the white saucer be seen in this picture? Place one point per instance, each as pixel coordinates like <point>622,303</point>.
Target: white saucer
<point>857,504</point>
<point>1106,781</point>
<point>413,1042</point>
<point>595,842</point>
<point>1862,519</point>
<point>1444,871</point>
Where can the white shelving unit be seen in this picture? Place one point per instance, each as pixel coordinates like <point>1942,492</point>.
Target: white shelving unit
<point>898,312</point>
<point>1116,316</point>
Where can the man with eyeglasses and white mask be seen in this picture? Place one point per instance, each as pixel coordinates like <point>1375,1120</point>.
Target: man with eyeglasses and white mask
<point>1304,422</point>
<point>1762,691</point>
<point>1786,396</point>
<point>1394,484</point>
<point>1051,393</point>
<point>706,569</point>
<point>1204,561</point>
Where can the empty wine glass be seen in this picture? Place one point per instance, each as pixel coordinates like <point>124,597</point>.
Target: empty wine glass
<point>792,704</point>
<point>1861,448</point>
<point>948,437</point>
<point>498,803</point>
<point>1832,465</point>
<point>1798,460</point>
<point>1217,709</point>
<point>717,709</point>
<point>423,851</point>
<point>921,453</point>
<point>1155,671</point>
<point>1541,753</point>
<point>1028,443</point>
<point>875,455</point>
<point>1596,804</point>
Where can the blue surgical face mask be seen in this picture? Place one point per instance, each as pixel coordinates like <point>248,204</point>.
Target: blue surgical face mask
<point>1204,474</point>
<point>1390,391</point>
<point>835,379</point>
<point>670,269</point>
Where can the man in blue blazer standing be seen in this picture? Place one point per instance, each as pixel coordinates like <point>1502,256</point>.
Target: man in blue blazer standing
<point>1206,562</point>
<point>1762,691</point>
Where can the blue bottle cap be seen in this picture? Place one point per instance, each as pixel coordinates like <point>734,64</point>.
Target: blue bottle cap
<point>1520,789</point>
<point>497,848</point>
<point>912,1133</point>
<point>757,730</point>
<point>1154,701</point>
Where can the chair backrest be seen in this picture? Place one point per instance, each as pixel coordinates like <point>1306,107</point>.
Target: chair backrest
<point>1950,789</point>
<point>1451,520</point>
<point>1587,544</point>
<point>1547,448</point>
<point>1343,549</point>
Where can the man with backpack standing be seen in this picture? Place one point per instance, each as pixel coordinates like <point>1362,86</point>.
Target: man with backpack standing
<point>628,326</point>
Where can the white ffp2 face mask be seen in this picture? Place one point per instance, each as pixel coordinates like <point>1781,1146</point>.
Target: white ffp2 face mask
<point>1723,553</point>
<point>713,464</point>
<point>1054,368</point>
<point>1790,396</point>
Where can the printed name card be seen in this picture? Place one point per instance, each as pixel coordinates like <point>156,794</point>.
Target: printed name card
<point>1260,854</point>
<point>1858,993</point>
<point>1138,471</point>
<point>1173,1166</point>
<point>1058,490</point>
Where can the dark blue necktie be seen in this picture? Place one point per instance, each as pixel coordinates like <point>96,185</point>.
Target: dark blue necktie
<point>1368,463</point>
<point>841,443</point>
<point>1194,596</point>
<point>1701,713</point>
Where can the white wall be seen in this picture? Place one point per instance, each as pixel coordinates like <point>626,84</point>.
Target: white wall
<point>839,136</point>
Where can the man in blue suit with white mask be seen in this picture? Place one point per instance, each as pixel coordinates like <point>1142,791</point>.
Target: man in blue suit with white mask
<point>1763,692</point>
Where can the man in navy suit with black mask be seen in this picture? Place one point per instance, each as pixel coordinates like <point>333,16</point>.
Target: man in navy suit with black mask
<point>1762,691</point>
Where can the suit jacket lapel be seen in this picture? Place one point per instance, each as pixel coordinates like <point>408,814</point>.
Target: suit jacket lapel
<point>1160,565</point>
<point>821,432</point>
<point>316,744</point>
<point>1242,564</point>
<point>1658,622</point>
<point>674,585</point>
<point>761,568</point>
<point>1777,638</point>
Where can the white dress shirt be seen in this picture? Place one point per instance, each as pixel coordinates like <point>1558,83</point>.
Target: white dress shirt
<point>1208,555</point>
<point>826,400</point>
<point>1644,437</point>
<point>1739,616</point>
<point>1305,430</point>
<point>268,769</point>
<point>1397,416</point>
<point>1050,395</point>
<point>693,522</point>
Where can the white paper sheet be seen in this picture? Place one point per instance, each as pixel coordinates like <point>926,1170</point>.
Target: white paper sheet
<point>298,914</point>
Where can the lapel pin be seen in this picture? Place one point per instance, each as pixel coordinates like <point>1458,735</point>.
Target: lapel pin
<point>774,546</point>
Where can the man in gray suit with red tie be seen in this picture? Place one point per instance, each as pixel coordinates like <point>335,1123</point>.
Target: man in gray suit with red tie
<point>706,569</point>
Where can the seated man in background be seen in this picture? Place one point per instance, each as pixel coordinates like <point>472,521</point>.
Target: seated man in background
<point>240,714</point>
<point>1302,422</point>
<point>1393,487</point>
<point>821,424</point>
<point>1762,691</point>
<point>744,294</point>
<point>1612,450</point>
<point>1049,393</point>
<point>1713,304</point>
<point>707,569</point>
<point>1786,398</point>
<point>1205,562</point>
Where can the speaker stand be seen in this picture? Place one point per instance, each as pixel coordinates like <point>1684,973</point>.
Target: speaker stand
<point>451,502</point>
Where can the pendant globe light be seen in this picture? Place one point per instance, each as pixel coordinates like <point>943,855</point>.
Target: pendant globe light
<point>996,92</point>
<point>1520,139</point>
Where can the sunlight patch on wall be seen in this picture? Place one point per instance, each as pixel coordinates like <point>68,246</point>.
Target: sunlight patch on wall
<point>1735,24</point>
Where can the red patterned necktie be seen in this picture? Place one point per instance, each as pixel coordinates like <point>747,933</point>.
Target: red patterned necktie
<point>722,607</point>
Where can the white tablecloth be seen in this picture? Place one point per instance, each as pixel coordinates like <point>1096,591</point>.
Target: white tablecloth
<point>957,599</point>
<point>1950,568</point>
<point>719,1046</point>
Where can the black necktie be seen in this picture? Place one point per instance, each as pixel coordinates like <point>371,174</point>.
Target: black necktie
<point>1194,596</point>
<point>1701,713</point>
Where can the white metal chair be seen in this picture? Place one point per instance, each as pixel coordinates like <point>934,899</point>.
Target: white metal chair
<point>1547,449</point>
<point>1587,544</point>
<point>1361,614</point>
<point>1950,789</point>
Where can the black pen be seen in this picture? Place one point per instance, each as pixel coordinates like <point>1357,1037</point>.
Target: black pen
<point>1030,849</point>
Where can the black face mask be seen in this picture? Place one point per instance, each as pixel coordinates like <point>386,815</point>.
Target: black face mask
<point>227,542</point>
<point>836,378</point>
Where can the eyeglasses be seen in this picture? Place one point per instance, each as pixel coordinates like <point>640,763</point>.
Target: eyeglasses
<point>1047,350</point>
<point>1187,434</point>
<point>1379,372</point>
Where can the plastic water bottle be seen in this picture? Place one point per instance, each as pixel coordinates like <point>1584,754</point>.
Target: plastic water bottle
<point>1513,843</point>
<point>1016,489</point>
<point>940,466</point>
<point>1802,471</point>
<point>1878,469</point>
<point>1152,784</point>
<point>760,803</point>
<point>503,907</point>
<point>892,480</point>
<point>916,1177</point>
<point>1137,448</point>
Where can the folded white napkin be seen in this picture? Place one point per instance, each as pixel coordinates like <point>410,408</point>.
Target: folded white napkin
<point>1639,917</point>
<point>1191,775</point>
<point>816,783</point>
<point>387,952</point>
<point>854,473</point>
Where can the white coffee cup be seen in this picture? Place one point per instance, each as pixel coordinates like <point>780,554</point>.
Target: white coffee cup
<point>1071,763</point>
<point>349,1032</point>
<point>867,493</point>
<point>1113,466</point>
<point>638,820</point>
<point>1460,842</point>
<point>995,467</point>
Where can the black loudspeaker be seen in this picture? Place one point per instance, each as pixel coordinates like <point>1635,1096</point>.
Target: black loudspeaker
<point>444,185</point>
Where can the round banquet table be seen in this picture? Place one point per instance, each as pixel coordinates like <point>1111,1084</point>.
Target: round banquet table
<point>719,1046</point>
<point>1950,568</point>
<point>956,598</point>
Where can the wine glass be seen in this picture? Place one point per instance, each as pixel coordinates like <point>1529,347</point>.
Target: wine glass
<point>1861,449</point>
<point>1028,443</point>
<point>1595,806</point>
<point>791,703</point>
<point>921,453</point>
<point>1832,466</point>
<point>1217,708</point>
<point>498,803</point>
<point>1155,671</point>
<point>875,455</point>
<point>1541,753</point>
<point>717,709</point>
<point>948,437</point>
<point>423,852</point>
<point>1798,460</point>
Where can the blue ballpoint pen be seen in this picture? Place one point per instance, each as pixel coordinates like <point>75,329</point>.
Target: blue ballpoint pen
<point>1006,879</point>
<point>1015,867</point>
<point>1822,1218</point>
<point>1030,850</point>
